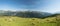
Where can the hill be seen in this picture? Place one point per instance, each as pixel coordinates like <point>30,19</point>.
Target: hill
<point>19,21</point>
<point>10,18</point>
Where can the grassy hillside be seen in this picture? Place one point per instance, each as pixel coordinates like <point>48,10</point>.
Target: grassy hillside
<point>17,21</point>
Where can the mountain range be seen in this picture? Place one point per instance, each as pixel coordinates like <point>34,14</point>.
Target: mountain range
<point>24,13</point>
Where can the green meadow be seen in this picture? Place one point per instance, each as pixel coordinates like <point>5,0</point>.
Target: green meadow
<point>19,21</point>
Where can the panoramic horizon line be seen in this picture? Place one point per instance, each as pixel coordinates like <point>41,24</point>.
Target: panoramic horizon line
<point>26,10</point>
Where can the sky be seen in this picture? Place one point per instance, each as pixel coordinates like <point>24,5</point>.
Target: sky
<point>50,6</point>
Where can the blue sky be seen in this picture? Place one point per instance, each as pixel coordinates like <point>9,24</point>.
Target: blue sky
<point>51,6</point>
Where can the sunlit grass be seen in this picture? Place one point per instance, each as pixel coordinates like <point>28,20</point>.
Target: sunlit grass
<point>18,21</point>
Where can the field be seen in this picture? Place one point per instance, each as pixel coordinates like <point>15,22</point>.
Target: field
<point>18,21</point>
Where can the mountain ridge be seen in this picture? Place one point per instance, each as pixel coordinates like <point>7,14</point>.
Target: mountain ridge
<point>25,13</point>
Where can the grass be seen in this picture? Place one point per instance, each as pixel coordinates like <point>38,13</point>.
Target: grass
<point>18,21</point>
